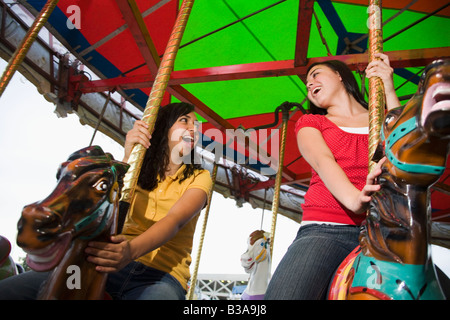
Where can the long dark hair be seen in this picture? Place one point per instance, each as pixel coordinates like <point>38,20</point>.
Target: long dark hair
<point>349,81</point>
<point>157,156</point>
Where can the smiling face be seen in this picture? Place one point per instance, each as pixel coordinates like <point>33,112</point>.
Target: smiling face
<point>323,84</point>
<point>183,136</point>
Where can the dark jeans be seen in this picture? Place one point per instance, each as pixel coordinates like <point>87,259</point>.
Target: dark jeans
<point>308,266</point>
<point>134,282</point>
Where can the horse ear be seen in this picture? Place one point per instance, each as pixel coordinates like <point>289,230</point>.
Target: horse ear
<point>379,152</point>
<point>85,152</point>
<point>92,151</point>
<point>61,167</point>
<point>121,168</point>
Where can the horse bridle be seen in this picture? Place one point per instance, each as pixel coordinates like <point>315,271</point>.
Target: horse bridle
<point>94,215</point>
<point>399,132</point>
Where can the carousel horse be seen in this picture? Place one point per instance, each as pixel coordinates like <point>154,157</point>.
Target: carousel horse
<point>394,260</point>
<point>256,261</point>
<point>55,231</point>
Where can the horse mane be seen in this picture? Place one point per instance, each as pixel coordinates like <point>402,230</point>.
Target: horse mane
<point>255,235</point>
<point>92,157</point>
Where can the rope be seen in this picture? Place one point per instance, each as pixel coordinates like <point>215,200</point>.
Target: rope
<point>100,118</point>
<point>264,206</point>
<point>276,195</point>
<point>190,294</point>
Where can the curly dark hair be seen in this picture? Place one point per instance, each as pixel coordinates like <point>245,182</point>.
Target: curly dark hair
<point>157,156</point>
<point>348,79</point>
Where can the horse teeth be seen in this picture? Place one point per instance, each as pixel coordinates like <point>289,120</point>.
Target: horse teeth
<point>40,251</point>
<point>41,259</point>
<point>441,93</point>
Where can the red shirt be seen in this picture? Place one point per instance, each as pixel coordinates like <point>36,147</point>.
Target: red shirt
<point>351,153</point>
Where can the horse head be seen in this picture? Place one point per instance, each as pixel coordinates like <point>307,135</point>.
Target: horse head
<point>83,206</point>
<point>416,137</point>
<point>257,245</point>
<point>416,140</point>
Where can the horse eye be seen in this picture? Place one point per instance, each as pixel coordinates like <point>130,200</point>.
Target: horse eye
<point>101,185</point>
<point>388,119</point>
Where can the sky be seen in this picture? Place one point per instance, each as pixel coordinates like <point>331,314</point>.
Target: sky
<point>34,141</point>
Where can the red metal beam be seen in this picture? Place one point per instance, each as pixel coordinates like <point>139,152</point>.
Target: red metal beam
<point>305,12</point>
<point>138,29</point>
<point>399,59</point>
<point>222,73</point>
<point>202,109</point>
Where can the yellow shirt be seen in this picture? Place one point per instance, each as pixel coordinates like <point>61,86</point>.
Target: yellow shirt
<point>148,207</point>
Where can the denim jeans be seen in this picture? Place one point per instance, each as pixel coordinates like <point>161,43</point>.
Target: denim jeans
<point>138,282</point>
<point>134,282</point>
<point>308,266</point>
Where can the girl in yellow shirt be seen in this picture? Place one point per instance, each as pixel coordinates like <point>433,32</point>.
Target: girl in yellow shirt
<point>151,258</point>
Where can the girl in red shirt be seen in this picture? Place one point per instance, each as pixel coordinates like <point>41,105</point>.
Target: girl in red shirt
<point>334,141</point>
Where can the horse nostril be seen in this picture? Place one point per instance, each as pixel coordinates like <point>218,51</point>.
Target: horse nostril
<point>47,224</point>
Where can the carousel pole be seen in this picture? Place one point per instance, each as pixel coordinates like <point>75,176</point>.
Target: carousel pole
<point>376,87</point>
<point>190,294</point>
<point>155,99</point>
<point>23,48</point>
<point>276,192</point>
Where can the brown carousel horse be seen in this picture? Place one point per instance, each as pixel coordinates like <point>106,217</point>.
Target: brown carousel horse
<point>393,260</point>
<point>55,231</point>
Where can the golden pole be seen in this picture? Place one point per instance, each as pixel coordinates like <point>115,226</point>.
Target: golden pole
<point>22,50</point>
<point>376,88</point>
<point>276,191</point>
<point>202,236</point>
<point>155,98</point>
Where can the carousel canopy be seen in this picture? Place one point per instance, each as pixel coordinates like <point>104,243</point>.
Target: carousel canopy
<point>237,63</point>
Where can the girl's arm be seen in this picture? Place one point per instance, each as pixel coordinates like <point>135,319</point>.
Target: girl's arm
<point>111,257</point>
<point>316,152</point>
<point>190,203</point>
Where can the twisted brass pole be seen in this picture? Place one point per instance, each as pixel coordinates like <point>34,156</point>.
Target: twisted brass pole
<point>24,46</point>
<point>155,99</point>
<point>376,88</point>
<point>190,294</point>
<point>276,191</point>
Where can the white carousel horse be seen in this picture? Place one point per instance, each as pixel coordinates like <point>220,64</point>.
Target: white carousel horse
<point>256,261</point>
